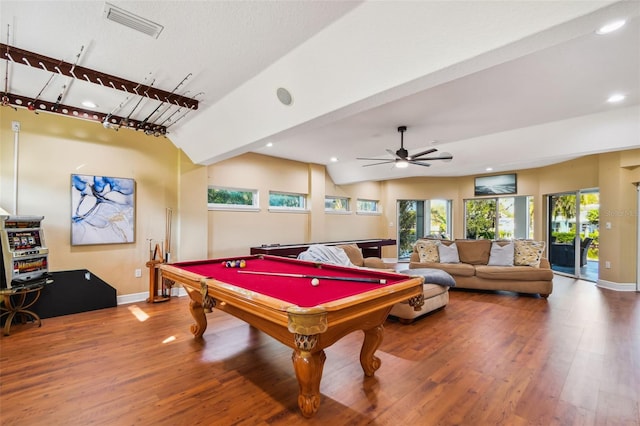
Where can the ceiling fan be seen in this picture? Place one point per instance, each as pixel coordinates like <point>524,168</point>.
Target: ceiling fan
<point>402,158</point>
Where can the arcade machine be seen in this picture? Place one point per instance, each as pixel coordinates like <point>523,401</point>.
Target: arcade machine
<point>24,268</point>
<point>24,254</point>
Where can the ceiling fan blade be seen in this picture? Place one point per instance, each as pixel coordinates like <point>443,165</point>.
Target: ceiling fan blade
<point>395,155</point>
<point>420,154</point>
<point>442,157</point>
<point>371,159</point>
<point>377,164</point>
<point>419,163</point>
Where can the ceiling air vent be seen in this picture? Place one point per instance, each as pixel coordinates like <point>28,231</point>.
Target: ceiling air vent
<point>128,19</point>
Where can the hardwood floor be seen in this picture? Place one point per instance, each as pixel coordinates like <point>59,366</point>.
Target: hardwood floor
<point>487,359</point>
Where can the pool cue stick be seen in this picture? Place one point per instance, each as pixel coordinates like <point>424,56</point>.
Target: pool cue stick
<point>320,277</point>
<point>167,234</point>
<point>150,249</point>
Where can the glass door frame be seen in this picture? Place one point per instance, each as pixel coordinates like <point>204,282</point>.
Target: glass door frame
<point>578,229</point>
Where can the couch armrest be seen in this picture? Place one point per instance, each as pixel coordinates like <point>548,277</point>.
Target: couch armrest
<point>377,263</point>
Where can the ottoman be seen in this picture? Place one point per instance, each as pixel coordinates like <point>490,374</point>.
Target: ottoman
<point>435,290</point>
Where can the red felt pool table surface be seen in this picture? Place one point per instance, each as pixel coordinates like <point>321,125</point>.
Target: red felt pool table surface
<point>295,290</point>
<point>304,317</point>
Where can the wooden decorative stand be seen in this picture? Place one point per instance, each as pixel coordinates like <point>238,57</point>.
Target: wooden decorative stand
<point>154,278</point>
<point>157,257</point>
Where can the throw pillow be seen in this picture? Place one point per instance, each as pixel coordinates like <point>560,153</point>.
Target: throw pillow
<point>528,253</point>
<point>448,254</point>
<point>501,255</point>
<point>428,250</point>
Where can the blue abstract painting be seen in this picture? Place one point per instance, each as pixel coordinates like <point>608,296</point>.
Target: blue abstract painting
<point>103,210</point>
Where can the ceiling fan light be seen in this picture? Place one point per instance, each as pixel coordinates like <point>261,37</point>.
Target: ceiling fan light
<point>402,164</point>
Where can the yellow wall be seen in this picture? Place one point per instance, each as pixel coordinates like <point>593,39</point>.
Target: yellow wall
<point>232,233</point>
<point>52,148</point>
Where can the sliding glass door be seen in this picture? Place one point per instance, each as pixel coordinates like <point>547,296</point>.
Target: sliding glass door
<point>573,221</point>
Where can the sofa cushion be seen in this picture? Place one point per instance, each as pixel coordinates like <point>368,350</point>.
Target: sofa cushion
<point>427,250</point>
<point>455,269</point>
<point>354,253</point>
<point>515,273</point>
<point>448,253</point>
<point>501,254</point>
<point>474,252</point>
<point>528,253</point>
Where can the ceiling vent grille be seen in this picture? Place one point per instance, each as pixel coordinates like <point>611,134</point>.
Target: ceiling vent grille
<point>135,22</point>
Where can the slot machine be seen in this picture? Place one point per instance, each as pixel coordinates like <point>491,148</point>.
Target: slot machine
<point>24,253</point>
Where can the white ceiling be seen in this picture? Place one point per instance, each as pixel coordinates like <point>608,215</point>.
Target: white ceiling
<point>508,85</point>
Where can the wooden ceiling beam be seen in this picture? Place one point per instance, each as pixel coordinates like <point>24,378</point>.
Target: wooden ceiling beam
<point>35,60</point>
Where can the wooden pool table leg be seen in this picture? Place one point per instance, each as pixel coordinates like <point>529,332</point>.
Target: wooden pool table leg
<point>197,310</point>
<point>372,340</point>
<point>308,367</point>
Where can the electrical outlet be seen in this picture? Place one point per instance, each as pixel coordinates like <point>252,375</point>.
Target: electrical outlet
<point>138,273</point>
<point>607,264</point>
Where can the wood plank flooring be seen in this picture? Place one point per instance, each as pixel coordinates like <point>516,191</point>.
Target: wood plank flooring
<point>487,359</point>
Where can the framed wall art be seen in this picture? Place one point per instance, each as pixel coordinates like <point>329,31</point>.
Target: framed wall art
<point>103,210</point>
<point>496,185</point>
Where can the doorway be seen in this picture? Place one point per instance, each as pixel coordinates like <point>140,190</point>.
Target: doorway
<point>573,222</point>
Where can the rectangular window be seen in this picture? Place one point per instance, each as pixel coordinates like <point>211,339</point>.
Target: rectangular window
<point>336,204</point>
<point>287,201</point>
<point>368,207</point>
<point>422,219</point>
<point>499,218</point>
<point>232,198</point>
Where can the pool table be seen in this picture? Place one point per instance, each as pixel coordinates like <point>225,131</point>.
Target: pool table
<point>277,296</point>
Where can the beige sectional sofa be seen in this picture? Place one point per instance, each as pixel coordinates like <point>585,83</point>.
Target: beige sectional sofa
<point>516,266</point>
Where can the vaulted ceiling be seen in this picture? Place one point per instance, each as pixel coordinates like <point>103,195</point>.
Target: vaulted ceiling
<point>506,85</point>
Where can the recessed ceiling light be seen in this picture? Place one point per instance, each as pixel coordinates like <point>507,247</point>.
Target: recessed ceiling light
<point>615,98</point>
<point>489,169</point>
<point>334,159</point>
<point>269,144</point>
<point>89,104</point>
<point>611,27</point>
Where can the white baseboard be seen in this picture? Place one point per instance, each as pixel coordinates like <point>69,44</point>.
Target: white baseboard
<point>616,286</point>
<point>142,297</point>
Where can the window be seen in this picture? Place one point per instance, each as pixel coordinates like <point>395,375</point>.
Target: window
<point>336,204</point>
<point>287,201</point>
<point>419,219</point>
<point>232,198</point>
<point>499,218</point>
<point>368,207</point>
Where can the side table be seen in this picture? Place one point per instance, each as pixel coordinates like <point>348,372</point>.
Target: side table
<point>17,301</point>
